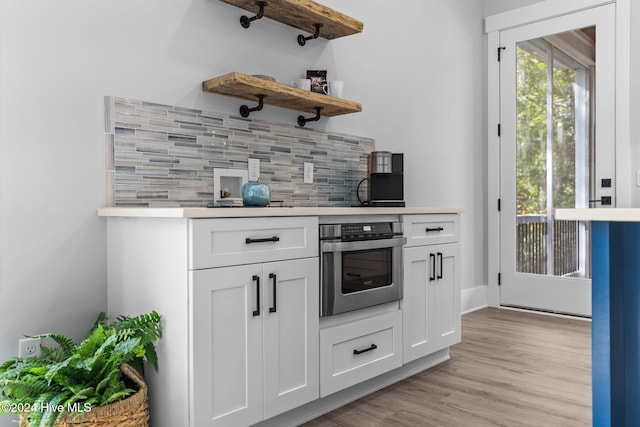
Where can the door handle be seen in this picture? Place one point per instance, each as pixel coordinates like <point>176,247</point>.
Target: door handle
<point>257,280</point>
<point>273,277</point>
<point>432,276</point>
<point>440,256</point>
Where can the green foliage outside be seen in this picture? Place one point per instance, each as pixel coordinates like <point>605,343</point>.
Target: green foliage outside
<point>80,375</point>
<point>531,137</point>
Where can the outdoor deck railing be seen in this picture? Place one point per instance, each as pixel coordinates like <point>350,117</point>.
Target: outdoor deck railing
<point>532,242</point>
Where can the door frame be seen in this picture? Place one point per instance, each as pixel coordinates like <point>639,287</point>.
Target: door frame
<point>537,12</point>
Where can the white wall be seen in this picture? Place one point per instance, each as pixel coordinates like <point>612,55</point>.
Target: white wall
<point>492,7</point>
<point>417,69</point>
<point>635,105</point>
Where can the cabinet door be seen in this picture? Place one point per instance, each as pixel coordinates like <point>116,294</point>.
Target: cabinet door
<point>291,334</point>
<point>431,303</point>
<point>226,347</point>
<point>446,296</point>
<point>417,305</point>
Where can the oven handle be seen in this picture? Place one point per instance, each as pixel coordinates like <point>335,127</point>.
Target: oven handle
<point>363,245</point>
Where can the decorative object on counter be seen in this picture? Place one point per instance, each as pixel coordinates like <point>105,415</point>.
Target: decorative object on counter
<point>256,194</point>
<point>86,384</point>
<point>385,179</point>
<point>304,84</point>
<point>227,186</point>
<point>318,80</point>
<point>335,88</point>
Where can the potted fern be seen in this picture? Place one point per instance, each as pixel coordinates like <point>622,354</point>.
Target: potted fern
<point>93,383</point>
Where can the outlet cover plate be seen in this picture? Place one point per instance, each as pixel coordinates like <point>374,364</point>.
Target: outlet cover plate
<point>308,173</point>
<point>254,169</point>
<point>29,347</point>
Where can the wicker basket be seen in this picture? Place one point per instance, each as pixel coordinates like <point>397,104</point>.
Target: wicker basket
<point>130,412</point>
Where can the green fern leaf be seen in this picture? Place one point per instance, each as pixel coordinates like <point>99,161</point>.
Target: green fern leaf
<point>67,345</point>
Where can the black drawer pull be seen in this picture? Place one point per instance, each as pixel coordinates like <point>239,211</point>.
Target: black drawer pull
<point>440,257</point>
<point>249,240</point>
<point>372,347</point>
<point>434,229</point>
<point>257,280</point>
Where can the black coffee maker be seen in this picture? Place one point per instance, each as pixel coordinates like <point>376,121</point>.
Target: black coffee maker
<point>385,180</point>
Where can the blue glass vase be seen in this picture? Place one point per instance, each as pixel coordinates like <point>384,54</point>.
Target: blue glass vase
<point>256,194</point>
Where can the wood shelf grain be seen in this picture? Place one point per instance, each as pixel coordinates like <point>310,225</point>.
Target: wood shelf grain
<point>302,14</point>
<point>248,87</point>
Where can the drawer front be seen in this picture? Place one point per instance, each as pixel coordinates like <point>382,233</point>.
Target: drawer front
<point>237,241</point>
<point>431,229</point>
<point>354,352</point>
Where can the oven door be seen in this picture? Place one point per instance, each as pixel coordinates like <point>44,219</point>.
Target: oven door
<point>360,274</point>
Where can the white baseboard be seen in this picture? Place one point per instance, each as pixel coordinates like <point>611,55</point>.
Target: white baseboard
<point>474,299</point>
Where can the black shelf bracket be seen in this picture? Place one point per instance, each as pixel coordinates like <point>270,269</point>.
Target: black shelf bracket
<point>302,40</point>
<point>245,21</point>
<point>302,120</point>
<point>245,111</point>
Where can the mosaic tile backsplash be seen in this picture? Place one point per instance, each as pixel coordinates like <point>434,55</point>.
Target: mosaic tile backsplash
<point>164,156</point>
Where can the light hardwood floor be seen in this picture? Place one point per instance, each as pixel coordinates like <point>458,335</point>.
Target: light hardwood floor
<point>512,368</point>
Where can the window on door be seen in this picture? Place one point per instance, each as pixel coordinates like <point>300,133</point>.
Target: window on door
<point>554,151</point>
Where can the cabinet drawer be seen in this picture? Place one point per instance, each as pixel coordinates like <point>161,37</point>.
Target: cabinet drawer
<point>431,229</point>
<point>236,241</point>
<point>354,352</point>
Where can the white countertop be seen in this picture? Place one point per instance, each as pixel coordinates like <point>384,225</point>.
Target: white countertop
<point>599,214</point>
<point>264,212</point>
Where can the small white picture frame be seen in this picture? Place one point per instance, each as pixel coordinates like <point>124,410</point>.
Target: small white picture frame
<point>232,180</point>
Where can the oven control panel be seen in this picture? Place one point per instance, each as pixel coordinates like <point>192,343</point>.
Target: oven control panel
<point>360,231</point>
<point>376,229</point>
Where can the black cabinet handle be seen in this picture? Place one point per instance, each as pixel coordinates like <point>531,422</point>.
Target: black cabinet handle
<point>432,276</point>
<point>372,347</point>
<point>257,280</point>
<point>249,240</point>
<point>440,256</point>
<point>428,230</point>
<point>275,284</point>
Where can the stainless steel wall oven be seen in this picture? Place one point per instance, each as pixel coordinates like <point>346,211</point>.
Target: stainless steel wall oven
<point>360,265</point>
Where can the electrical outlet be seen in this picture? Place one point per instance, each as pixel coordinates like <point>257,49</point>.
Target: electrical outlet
<point>308,173</point>
<point>254,169</point>
<point>29,347</point>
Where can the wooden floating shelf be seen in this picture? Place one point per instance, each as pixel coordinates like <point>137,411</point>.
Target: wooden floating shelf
<point>248,87</point>
<point>303,14</point>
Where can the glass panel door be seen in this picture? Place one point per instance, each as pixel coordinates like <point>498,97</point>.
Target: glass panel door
<point>552,153</point>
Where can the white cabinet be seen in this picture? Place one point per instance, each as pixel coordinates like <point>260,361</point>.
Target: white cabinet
<point>431,303</point>
<point>219,364</point>
<point>254,338</point>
